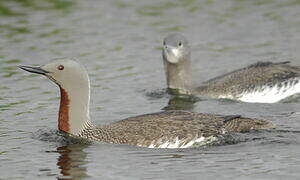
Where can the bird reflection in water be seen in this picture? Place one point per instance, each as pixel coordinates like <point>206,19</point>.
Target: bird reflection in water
<point>72,161</point>
<point>181,102</point>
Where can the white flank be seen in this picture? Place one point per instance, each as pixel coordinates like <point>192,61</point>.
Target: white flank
<point>176,143</point>
<point>272,94</point>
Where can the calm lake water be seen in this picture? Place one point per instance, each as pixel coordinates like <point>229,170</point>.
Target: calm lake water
<point>119,42</point>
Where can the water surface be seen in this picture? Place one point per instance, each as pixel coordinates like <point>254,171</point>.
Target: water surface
<point>119,42</point>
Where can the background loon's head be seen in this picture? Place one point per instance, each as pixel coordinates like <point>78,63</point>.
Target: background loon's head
<point>175,48</point>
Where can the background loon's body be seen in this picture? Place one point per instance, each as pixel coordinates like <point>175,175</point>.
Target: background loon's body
<point>263,82</point>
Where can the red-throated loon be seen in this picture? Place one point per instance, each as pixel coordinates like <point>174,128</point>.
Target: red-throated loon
<point>167,129</point>
<point>262,82</point>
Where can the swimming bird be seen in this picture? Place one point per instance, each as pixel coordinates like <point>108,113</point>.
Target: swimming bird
<point>166,129</point>
<point>262,82</point>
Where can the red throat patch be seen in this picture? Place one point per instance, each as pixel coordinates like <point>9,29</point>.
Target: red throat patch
<point>63,116</point>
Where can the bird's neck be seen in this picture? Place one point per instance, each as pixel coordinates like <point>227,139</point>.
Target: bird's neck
<point>179,76</point>
<point>74,109</point>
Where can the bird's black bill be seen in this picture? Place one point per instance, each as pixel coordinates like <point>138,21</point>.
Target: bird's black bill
<point>34,69</point>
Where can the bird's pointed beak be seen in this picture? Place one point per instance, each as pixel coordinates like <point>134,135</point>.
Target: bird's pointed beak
<point>171,50</point>
<point>34,69</point>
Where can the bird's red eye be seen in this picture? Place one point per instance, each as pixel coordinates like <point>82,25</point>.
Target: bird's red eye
<point>60,67</point>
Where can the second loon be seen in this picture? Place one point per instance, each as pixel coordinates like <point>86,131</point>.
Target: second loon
<point>262,82</point>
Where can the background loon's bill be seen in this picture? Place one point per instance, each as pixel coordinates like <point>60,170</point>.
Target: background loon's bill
<point>167,129</point>
<point>262,82</point>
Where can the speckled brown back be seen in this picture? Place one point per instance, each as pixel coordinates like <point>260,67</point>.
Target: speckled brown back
<point>246,79</point>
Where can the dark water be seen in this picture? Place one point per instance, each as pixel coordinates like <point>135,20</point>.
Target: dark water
<point>119,43</point>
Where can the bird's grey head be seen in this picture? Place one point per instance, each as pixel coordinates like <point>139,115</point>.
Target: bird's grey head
<point>175,48</point>
<point>64,72</point>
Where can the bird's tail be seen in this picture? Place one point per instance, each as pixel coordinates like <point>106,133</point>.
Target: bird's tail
<point>240,124</point>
